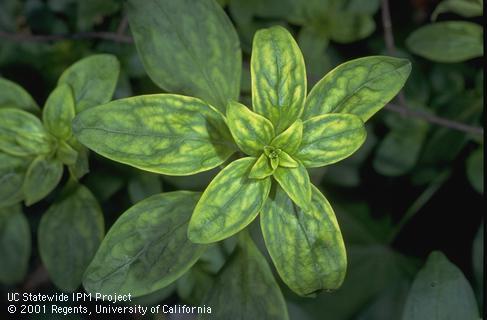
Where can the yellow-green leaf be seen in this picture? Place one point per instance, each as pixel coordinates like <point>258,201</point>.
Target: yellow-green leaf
<point>22,134</point>
<point>163,133</point>
<point>278,77</point>
<point>306,246</point>
<point>290,139</point>
<point>285,160</point>
<point>246,288</point>
<point>59,111</point>
<point>188,47</point>
<point>261,169</point>
<point>147,248</point>
<point>251,131</point>
<point>230,202</point>
<point>330,138</point>
<point>41,178</point>
<point>361,87</point>
<point>295,182</point>
<point>92,79</point>
<point>14,96</point>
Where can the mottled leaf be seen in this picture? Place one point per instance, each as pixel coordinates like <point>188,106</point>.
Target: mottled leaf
<point>440,291</point>
<point>306,246</point>
<point>59,111</point>
<point>245,288</point>
<point>22,134</point>
<point>450,41</point>
<point>15,245</point>
<point>147,248</point>
<point>165,133</point>
<point>92,79</point>
<point>465,8</point>
<point>14,96</point>
<point>261,169</point>
<point>290,139</point>
<point>251,131</point>
<point>295,182</point>
<point>278,77</point>
<point>43,175</point>
<point>330,138</point>
<point>12,173</point>
<point>361,87</point>
<point>70,232</point>
<point>188,47</point>
<point>230,202</point>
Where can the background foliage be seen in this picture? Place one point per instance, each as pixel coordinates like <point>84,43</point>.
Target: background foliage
<point>408,202</point>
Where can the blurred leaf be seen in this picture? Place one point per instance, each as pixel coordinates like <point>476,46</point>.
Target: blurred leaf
<point>245,288</point>
<point>91,12</point>
<point>347,27</point>
<point>475,169</point>
<point>43,175</point>
<point>313,44</point>
<point>366,7</point>
<point>69,234</point>
<point>478,264</point>
<point>451,41</point>
<point>12,173</point>
<point>465,8</point>
<point>9,9</point>
<point>440,292</point>
<point>194,285</point>
<point>200,57</point>
<point>155,297</point>
<point>14,96</point>
<point>104,184</point>
<point>144,250</point>
<point>15,245</point>
<point>143,185</point>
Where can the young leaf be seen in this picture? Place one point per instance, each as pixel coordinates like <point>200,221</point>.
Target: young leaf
<point>59,111</point>
<point>306,246</point>
<point>14,96</point>
<point>66,154</point>
<point>290,139</point>
<point>69,234</point>
<point>295,182</point>
<point>465,8</point>
<point>22,134</point>
<point>261,169</point>
<point>278,77</point>
<point>245,288</point>
<point>92,79</point>
<point>361,87</point>
<point>440,291</point>
<point>286,161</point>
<point>230,202</point>
<point>251,131</point>
<point>14,245</point>
<point>164,133</point>
<point>147,248</point>
<point>330,138</point>
<point>200,57</point>
<point>41,178</point>
<point>450,41</point>
<point>12,173</point>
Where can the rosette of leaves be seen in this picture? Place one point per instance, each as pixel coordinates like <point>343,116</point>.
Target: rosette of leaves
<point>34,150</point>
<point>273,144</point>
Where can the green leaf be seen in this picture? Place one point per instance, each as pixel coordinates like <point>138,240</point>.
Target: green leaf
<point>475,169</point>
<point>465,8</point>
<point>15,245</point>
<point>92,79</point>
<point>69,234</point>
<point>286,161</point>
<point>261,169</point>
<point>14,96</point>
<point>22,134</point>
<point>440,291</point>
<point>478,264</point>
<point>230,202</point>
<point>278,77</point>
<point>188,47</point>
<point>349,27</point>
<point>147,248</point>
<point>330,138</point>
<point>251,131</point>
<point>290,139</point>
<point>451,41</point>
<point>314,43</point>
<point>142,186</point>
<point>12,173</point>
<point>164,133</point>
<point>66,154</point>
<point>59,111</point>
<point>92,11</point>
<point>81,166</point>
<point>43,175</point>
<point>295,182</point>
<point>306,246</point>
<point>362,87</point>
<point>246,288</point>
